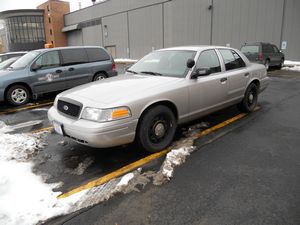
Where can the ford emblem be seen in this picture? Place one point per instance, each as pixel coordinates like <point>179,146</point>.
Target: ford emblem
<point>65,107</point>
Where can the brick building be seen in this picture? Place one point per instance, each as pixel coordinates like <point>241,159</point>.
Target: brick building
<point>54,11</point>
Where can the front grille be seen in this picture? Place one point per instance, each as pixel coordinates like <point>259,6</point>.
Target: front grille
<point>69,108</point>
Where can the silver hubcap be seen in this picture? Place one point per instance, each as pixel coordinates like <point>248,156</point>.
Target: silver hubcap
<point>250,98</point>
<point>159,130</point>
<point>19,95</point>
<point>100,78</point>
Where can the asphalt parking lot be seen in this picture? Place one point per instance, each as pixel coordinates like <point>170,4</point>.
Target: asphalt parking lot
<point>246,172</point>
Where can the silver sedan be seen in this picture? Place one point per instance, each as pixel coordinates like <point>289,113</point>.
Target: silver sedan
<point>165,88</point>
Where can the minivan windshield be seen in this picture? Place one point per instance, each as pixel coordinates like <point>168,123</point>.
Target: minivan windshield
<point>170,63</point>
<point>22,62</point>
<point>250,49</point>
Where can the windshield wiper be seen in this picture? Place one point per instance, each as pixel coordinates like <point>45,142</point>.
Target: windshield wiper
<point>131,71</point>
<point>151,73</point>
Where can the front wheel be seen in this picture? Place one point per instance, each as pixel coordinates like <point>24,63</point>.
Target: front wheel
<point>18,95</point>
<point>157,128</point>
<point>249,101</point>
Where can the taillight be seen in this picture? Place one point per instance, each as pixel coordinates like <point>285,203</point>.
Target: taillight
<point>261,57</point>
<point>113,67</point>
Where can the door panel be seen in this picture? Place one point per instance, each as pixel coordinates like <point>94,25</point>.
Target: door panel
<point>76,65</point>
<point>49,75</point>
<point>207,93</point>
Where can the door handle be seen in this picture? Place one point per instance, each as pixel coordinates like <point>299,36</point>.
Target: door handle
<point>246,74</point>
<point>222,80</point>
<point>71,69</point>
<point>58,71</point>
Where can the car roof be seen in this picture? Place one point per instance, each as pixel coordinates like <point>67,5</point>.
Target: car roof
<point>194,47</point>
<point>11,53</point>
<point>258,43</point>
<point>69,47</point>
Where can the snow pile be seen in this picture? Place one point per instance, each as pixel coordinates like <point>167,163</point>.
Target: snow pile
<point>125,61</point>
<point>291,65</point>
<point>19,147</point>
<point>175,158</point>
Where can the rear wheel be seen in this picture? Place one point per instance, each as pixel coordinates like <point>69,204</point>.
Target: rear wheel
<point>99,76</point>
<point>281,63</point>
<point>157,128</point>
<point>249,101</point>
<point>18,95</point>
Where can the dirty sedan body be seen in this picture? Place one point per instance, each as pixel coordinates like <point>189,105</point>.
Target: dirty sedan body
<point>165,88</point>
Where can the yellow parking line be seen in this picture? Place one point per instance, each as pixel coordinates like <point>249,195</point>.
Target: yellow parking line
<point>41,130</point>
<point>145,160</point>
<point>25,108</point>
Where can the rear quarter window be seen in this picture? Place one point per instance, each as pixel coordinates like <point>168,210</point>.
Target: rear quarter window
<point>97,54</point>
<point>74,56</point>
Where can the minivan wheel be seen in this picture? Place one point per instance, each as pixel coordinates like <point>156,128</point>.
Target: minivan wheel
<point>18,95</point>
<point>249,101</point>
<point>99,76</point>
<point>281,63</point>
<point>156,129</point>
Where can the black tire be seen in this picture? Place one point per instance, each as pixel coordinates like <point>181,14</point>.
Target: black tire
<point>267,64</point>
<point>18,95</point>
<point>249,101</point>
<point>156,128</point>
<point>99,76</point>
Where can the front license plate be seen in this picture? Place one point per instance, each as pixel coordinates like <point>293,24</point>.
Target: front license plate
<point>58,128</point>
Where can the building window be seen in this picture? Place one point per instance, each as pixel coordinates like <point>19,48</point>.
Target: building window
<point>48,8</point>
<point>49,19</point>
<point>50,31</point>
<point>25,29</point>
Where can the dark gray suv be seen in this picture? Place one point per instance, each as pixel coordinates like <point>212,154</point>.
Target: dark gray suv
<point>263,53</point>
<point>47,70</point>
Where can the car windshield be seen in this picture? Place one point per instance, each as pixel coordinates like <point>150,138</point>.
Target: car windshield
<point>170,63</point>
<point>7,63</point>
<point>250,49</point>
<point>24,60</point>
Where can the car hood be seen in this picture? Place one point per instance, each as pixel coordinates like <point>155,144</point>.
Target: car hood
<point>120,87</point>
<point>5,72</point>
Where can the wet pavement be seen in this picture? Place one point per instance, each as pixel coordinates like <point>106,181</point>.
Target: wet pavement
<point>252,164</point>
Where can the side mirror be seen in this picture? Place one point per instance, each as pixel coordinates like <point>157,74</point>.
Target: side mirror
<point>190,63</point>
<point>201,72</point>
<point>35,67</point>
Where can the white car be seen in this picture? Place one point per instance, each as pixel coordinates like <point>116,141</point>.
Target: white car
<point>165,88</point>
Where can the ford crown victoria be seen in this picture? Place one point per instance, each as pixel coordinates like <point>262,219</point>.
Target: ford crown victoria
<point>165,88</point>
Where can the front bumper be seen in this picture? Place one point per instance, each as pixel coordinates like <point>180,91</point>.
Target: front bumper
<point>95,134</point>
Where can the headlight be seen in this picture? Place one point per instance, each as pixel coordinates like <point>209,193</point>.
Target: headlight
<point>102,115</point>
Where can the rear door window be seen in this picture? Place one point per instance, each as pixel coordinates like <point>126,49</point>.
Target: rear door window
<point>250,49</point>
<point>231,59</point>
<point>73,56</point>
<point>97,54</point>
<point>209,59</point>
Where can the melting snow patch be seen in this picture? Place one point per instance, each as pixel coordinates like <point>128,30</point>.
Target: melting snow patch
<point>125,179</point>
<point>291,65</point>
